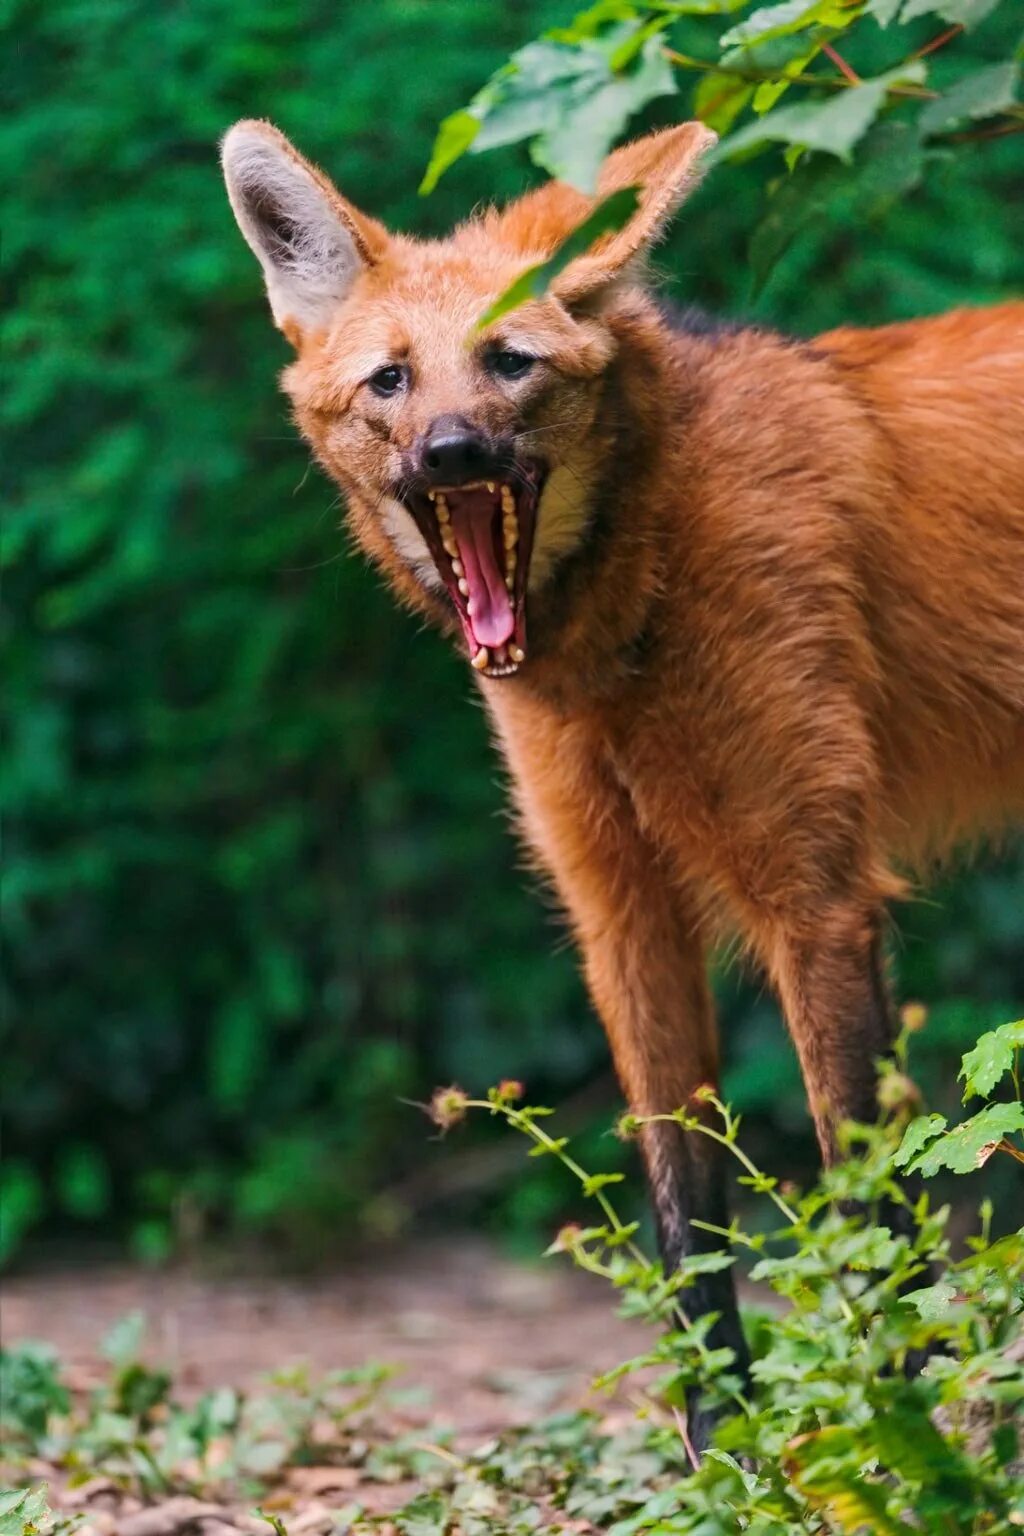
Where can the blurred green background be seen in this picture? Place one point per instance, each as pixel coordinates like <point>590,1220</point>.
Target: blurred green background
<point>258,888</point>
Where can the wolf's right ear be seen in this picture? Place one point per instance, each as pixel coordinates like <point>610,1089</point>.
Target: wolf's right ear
<point>310,242</point>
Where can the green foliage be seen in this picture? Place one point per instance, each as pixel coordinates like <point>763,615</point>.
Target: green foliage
<point>834,1434</point>
<point>571,94</point>
<point>134,1430</point>
<point>255,891</point>
<point>930,1143</point>
<point>25,1512</point>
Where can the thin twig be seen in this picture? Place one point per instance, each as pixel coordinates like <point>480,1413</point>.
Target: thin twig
<point>684,1435</point>
<point>938,42</point>
<point>841,64</point>
<point>999,131</point>
<point>835,83</point>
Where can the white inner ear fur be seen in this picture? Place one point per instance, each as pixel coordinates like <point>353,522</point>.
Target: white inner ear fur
<point>307,253</point>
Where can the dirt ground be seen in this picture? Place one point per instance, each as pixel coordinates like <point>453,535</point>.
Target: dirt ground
<point>489,1343</point>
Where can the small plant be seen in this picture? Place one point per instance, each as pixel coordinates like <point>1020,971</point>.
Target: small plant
<point>133,1430</point>
<point>837,1434</point>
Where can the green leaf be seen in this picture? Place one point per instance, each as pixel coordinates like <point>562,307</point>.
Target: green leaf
<point>883,11</point>
<point>598,1181</point>
<point>459,130</point>
<point>611,213</point>
<point>696,1264</point>
<point>917,1136</point>
<point>595,112</point>
<point>719,100</point>
<point>931,1302</point>
<point>22,1509</point>
<point>122,1343</point>
<point>774,21</point>
<point>570,94</point>
<point>970,1145</point>
<point>991,1059</point>
<point>627,50</point>
<point>982,93</point>
<point>834,126</point>
<point>962,13</point>
<point>454,137</point>
<point>275,1522</point>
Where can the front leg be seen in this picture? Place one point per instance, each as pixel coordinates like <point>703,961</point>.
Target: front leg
<point>645,967</point>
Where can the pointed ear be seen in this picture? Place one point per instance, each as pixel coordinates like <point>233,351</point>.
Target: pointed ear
<point>664,167</point>
<point>310,242</point>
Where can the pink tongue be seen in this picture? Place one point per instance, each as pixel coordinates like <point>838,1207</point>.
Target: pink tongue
<point>493,621</point>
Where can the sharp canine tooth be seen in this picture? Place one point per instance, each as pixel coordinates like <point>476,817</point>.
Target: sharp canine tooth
<point>516,654</point>
<point>490,486</point>
<point>431,495</point>
<point>481,658</point>
<point>463,586</point>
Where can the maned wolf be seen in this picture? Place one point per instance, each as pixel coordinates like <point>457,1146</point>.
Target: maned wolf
<point>747,613</point>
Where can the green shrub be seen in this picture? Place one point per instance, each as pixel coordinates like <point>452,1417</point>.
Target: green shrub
<point>832,1435</point>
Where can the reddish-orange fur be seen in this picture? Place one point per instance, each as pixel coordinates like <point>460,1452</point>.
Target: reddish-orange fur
<point>777,662</point>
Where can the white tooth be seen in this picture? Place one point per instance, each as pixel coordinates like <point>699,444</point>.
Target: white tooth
<point>464,586</point>
<point>490,486</point>
<point>510,582</point>
<point>457,567</point>
<point>470,610</point>
<point>450,546</point>
<point>516,654</point>
<point>481,658</point>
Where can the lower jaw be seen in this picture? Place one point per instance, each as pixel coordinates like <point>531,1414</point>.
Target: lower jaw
<point>499,661</point>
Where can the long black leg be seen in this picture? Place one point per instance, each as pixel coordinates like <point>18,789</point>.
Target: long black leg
<point>686,1173</point>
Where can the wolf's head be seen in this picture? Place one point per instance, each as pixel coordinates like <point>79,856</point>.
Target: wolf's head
<point>468,455</point>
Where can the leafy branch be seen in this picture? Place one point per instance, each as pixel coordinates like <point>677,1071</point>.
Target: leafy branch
<point>571,93</point>
<point>835,1436</point>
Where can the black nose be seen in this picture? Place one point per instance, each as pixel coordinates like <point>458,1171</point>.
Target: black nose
<point>453,451</point>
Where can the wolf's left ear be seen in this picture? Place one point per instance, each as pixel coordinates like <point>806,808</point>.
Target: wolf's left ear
<point>664,167</point>
<point>310,242</point>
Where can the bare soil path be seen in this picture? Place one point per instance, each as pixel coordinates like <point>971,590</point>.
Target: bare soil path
<point>488,1343</point>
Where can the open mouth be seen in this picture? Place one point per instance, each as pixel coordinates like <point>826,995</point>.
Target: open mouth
<point>481,537</point>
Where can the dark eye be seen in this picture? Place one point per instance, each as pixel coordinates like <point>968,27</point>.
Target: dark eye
<point>510,365</point>
<point>387,381</point>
